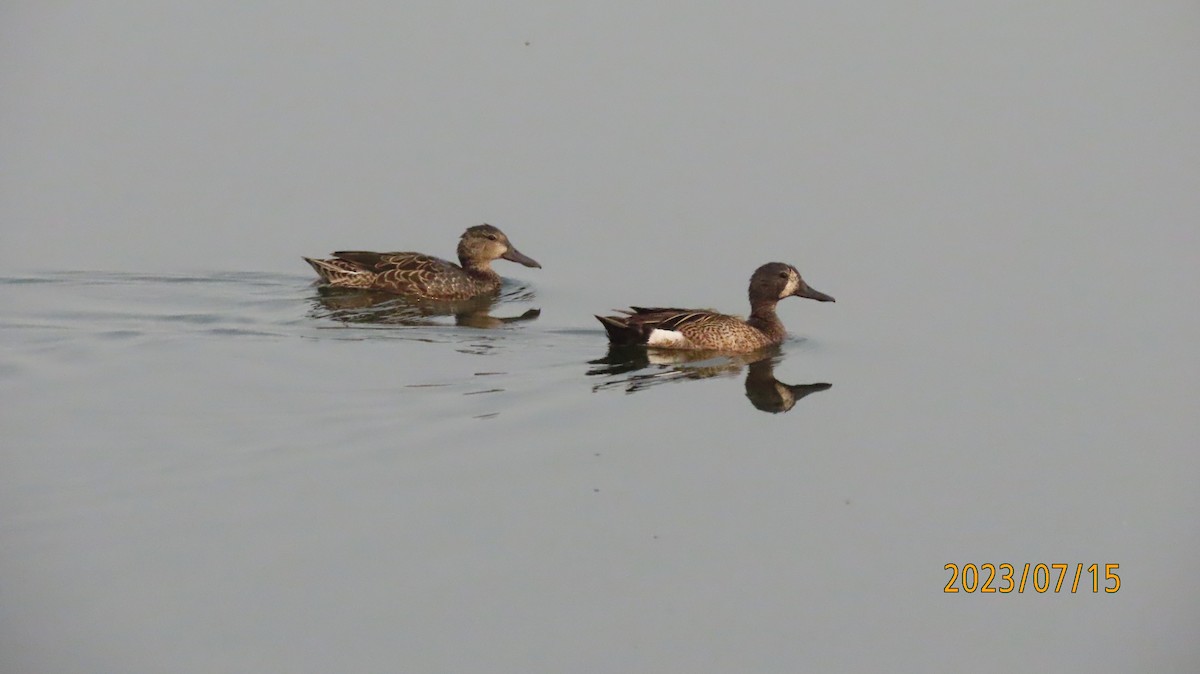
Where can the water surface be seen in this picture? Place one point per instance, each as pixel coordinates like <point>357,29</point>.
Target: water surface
<point>237,458</point>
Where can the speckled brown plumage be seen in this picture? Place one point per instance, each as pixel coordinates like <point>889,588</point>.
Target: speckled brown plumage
<point>672,328</point>
<point>425,276</point>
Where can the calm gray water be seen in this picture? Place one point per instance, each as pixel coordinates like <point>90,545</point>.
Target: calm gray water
<point>228,471</point>
<point>209,464</point>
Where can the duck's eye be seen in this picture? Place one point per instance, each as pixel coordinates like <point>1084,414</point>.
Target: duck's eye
<point>783,274</point>
<point>492,237</point>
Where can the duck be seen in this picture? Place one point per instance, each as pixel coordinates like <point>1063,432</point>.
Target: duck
<point>421,276</point>
<point>704,329</point>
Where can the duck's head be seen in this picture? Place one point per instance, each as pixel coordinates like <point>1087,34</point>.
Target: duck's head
<point>481,244</point>
<point>775,281</point>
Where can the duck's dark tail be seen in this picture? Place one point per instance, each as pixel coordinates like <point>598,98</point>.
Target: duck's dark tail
<point>620,332</point>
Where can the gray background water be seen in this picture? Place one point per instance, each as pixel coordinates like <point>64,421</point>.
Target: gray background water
<point>204,469</point>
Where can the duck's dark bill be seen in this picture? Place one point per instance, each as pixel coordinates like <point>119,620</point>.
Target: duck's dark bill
<point>514,255</point>
<point>813,294</point>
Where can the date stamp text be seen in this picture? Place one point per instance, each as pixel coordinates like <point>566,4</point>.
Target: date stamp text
<point>1040,578</point>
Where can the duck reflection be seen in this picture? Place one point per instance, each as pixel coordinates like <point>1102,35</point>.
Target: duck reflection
<point>763,390</point>
<point>352,305</point>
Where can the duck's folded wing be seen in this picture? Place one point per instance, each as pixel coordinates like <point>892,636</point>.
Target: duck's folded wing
<point>670,318</point>
<point>381,262</point>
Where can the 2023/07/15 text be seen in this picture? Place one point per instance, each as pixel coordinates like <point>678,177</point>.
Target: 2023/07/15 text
<point>1003,578</point>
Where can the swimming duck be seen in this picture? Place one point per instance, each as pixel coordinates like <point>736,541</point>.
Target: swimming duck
<point>670,328</point>
<point>424,276</point>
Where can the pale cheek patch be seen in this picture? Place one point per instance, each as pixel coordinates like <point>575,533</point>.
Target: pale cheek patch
<point>667,339</point>
<point>792,284</point>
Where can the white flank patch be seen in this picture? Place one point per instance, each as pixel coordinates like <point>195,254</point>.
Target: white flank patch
<point>666,338</point>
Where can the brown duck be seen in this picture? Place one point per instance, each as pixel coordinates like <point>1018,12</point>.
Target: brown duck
<point>424,276</point>
<point>669,328</point>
